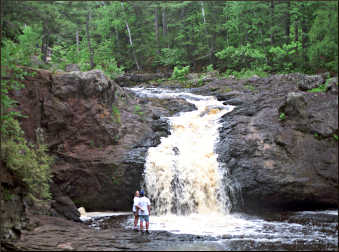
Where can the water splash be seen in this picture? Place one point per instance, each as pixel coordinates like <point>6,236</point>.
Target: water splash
<point>182,174</point>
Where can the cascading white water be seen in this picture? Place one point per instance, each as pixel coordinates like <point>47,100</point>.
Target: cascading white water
<point>182,175</point>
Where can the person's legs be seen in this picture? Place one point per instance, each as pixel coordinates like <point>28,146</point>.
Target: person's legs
<point>147,222</point>
<point>141,223</point>
<point>136,217</point>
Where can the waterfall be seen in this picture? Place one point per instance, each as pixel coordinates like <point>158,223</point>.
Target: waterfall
<point>182,175</point>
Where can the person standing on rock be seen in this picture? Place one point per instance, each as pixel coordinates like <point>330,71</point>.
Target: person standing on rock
<point>144,207</point>
<point>135,210</point>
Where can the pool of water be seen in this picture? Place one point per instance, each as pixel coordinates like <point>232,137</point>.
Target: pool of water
<point>306,230</point>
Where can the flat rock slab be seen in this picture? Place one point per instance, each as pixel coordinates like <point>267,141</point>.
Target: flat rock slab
<point>59,234</point>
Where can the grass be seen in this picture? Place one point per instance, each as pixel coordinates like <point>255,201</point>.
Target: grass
<point>249,87</point>
<point>282,116</point>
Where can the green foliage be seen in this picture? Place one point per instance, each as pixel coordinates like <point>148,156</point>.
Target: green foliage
<point>12,55</point>
<point>31,163</point>
<point>116,114</point>
<point>209,68</point>
<point>321,88</point>
<point>282,116</point>
<point>172,57</point>
<point>335,136</point>
<point>179,73</point>
<point>238,57</point>
<point>276,36</point>
<point>7,196</point>
<point>323,50</point>
<point>227,89</point>
<point>249,87</point>
<point>283,57</point>
<point>137,110</point>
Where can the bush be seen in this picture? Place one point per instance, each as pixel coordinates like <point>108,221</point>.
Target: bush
<point>29,162</point>
<point>209,68</point>
<point>172,57</point>
<point>285,57</point>
<point>180,73</point>
<point>241,57</point>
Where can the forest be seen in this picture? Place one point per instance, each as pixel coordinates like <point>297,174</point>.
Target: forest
<point>234,37</point>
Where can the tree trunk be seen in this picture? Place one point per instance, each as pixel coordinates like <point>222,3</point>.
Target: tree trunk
<point>131,43</point>
<point>164,24</point>
<point>296,31</point>
<point>91,53</point>
<point>288,22</point>
<point>272,22</point>
<point>77,40</point>
<point>203,11</point>
<point>156,26</point>
<point>44,43</point>
<point>304,36</point>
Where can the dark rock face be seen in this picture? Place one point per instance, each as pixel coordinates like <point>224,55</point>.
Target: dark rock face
<point>99,134</point>
<point>289,163</point>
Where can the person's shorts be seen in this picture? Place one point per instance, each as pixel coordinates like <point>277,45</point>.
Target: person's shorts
<point>144,218</point>
<point>135,213</point>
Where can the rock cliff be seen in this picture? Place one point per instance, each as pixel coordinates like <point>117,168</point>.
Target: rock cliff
<point>280,143</point>
<point>98,133</point>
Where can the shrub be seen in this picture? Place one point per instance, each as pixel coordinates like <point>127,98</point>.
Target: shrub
<point>180,73</point>
<point>116,114</point>
<point>282,116</point>
<point>209,68</point>
<point>172,57</point>
<point>240,57</point>
<point>29,162</point>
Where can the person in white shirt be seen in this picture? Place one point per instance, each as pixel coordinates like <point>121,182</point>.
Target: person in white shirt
<point>144,207</point>
<point>135,210</point>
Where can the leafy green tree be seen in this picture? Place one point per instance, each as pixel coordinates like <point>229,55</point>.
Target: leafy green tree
<point>323,49</point>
